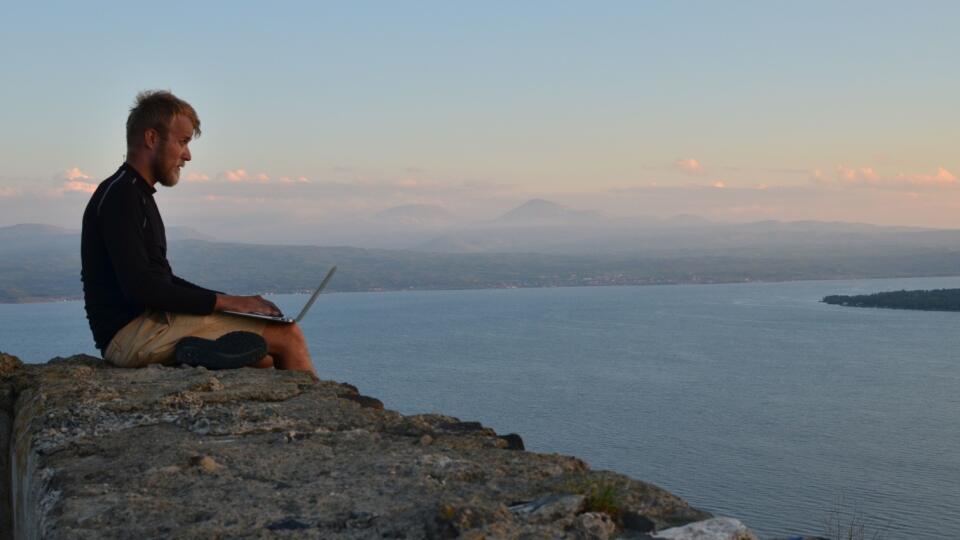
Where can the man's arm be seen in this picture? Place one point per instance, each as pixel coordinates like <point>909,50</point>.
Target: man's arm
<point>142,280</point>
<point>242,304</point>
<point>177,280</point>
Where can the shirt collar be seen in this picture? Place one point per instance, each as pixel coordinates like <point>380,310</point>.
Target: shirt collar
<point>139,181</point>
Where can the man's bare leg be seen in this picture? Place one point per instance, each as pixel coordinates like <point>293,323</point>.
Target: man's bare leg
<point>264,363</point>
<point>288,347</point>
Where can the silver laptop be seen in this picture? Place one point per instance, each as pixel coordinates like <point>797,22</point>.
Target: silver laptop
<point>281,318</point>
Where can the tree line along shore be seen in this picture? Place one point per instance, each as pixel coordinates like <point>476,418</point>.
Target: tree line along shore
<point>933,300</point>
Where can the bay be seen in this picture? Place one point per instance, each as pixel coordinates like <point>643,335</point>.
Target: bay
<point>749,400</point>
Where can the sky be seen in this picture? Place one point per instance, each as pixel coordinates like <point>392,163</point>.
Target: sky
<point>316,114</point>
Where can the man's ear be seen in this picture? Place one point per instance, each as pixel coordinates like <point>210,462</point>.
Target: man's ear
<point>151,138</point>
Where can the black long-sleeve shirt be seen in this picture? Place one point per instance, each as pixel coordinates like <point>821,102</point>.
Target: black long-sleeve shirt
<point>124,252</point>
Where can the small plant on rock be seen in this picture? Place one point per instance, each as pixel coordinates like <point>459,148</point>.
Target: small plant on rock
<point>603,497</point>
<point>599,495</point>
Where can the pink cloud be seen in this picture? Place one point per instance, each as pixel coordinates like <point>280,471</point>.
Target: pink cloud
<point>73,180</point>
<point>236,175</point>
<point>9,192</point>
<point>294,180</point>
<point>197,177</point>
<point>868,176</point>
<point>943,177</point>
<point>719,184</point>
<point>241,175</point>
<point>862,174</point>
<point>77,186</point>
<point>689,165</point>
<point>75,174</point>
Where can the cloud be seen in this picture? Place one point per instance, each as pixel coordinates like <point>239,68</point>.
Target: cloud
<point>719,184</point>
<point>197,177</point>
<point>294,180</point>
<point>241,175</point>
<point>9,192</point>
<point>862,174</point>
<point>870,177</point>
<point>943,177</point>
<point>236,175</point>
<point>73,180</point>
<point>75,174</point>
<point>688,165</point>
<point>76,186</point>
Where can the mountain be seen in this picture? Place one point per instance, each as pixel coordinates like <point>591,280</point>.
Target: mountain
<point>540,211</point>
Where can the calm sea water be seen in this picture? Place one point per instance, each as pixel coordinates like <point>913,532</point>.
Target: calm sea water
<point>749,400</point>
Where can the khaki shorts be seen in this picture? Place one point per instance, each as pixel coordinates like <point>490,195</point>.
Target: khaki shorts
<point>151,337</point>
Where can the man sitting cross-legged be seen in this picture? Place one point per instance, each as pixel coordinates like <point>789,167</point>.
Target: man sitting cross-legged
<point>137,308</point>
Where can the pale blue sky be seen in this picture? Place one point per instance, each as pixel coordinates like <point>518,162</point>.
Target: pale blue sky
<point>481,105</point>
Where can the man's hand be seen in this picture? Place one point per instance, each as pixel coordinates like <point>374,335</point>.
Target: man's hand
<point>246,304</point>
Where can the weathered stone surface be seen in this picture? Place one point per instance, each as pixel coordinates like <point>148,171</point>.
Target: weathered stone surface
<point>720,528</point>
<point>8,364</point>
<point>189,453</point>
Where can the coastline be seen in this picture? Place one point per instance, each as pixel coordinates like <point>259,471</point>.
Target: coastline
<point>59,299</point>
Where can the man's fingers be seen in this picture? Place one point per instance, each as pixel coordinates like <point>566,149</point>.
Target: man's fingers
<point>271,308</point>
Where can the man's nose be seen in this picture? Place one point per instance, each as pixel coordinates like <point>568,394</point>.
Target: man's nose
<point>186,154</point>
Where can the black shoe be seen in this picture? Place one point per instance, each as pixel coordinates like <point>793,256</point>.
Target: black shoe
<point>229,351</point>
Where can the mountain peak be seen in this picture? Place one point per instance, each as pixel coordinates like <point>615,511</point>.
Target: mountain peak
<point>541,210</point>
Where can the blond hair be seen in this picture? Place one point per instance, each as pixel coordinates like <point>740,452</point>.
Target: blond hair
<point>155,109</point>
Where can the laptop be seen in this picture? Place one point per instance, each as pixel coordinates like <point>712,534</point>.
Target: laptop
<point>288,320</point>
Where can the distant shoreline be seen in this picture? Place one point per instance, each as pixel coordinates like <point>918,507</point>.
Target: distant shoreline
<point>58,299</point>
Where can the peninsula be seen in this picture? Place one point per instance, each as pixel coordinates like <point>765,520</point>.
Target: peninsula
<point>935,300</point>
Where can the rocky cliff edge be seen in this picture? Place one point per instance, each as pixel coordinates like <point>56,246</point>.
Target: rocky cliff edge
<point>99,452</point>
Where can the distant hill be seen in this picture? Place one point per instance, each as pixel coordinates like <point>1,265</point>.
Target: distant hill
<point>935,300</point>
<point>43,263</point>
<point>546,212</point>
<point>32,229</point>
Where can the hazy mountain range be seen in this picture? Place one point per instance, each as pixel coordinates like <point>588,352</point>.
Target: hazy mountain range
<point>536,244</point>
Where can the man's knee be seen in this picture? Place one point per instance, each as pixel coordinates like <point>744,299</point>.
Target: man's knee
<point>283,335</point>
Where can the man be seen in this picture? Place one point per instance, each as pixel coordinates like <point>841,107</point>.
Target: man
<point>137,308</point>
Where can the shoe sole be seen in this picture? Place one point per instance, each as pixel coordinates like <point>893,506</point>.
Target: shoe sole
<point>230,351</point>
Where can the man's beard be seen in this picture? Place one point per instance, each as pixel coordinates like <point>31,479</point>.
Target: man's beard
<point>168,178</point>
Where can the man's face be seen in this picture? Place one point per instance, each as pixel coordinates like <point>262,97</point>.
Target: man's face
<point>173,152</point>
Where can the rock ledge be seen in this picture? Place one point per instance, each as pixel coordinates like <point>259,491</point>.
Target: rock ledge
<point>99,452</point>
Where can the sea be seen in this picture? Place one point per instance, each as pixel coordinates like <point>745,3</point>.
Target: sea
<point>751,400</point>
